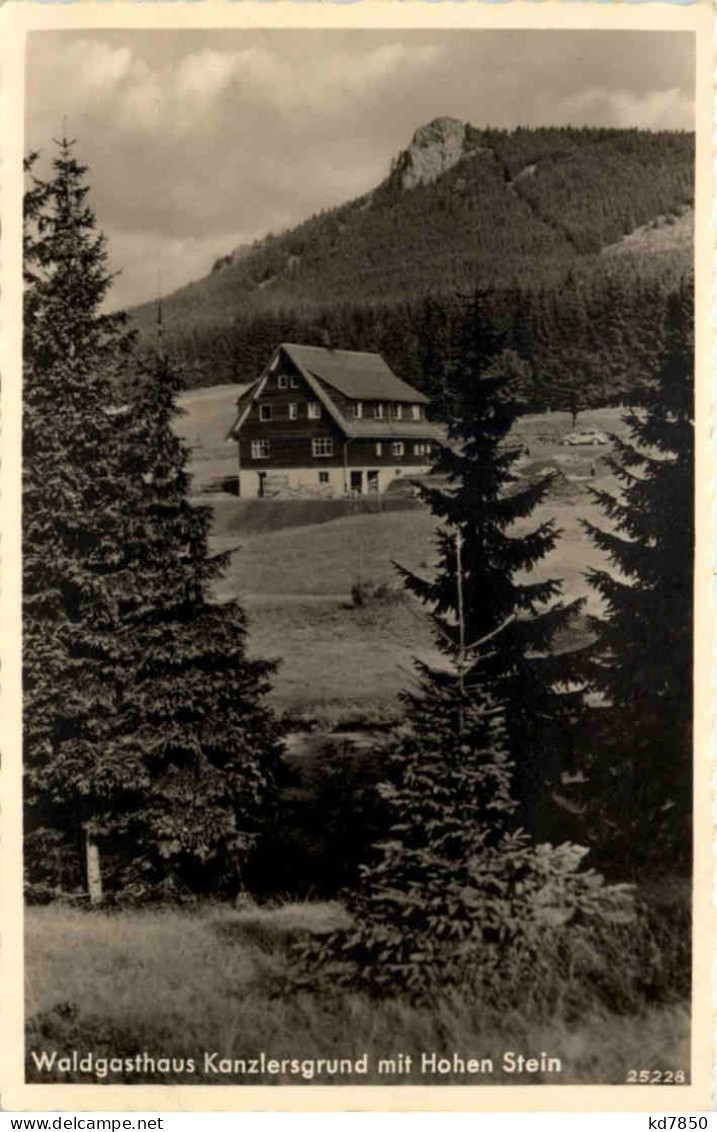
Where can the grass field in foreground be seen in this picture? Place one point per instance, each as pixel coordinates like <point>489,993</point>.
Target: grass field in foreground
<point>177,984</point>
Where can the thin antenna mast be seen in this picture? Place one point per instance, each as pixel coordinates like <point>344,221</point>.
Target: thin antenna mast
<point>160,327</point>
<point>465,650</point>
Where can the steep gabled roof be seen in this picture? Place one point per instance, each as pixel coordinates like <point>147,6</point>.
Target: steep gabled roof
<point>304,358</point>
<point>244,403</point>
<point>357,375</point>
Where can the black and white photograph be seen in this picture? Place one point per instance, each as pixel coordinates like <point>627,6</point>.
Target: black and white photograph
<point>358,557</point>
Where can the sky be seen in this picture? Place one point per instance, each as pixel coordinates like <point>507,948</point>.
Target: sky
<point>198,141</point>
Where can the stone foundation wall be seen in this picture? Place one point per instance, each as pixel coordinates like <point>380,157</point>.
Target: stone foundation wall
<point>304,483</point>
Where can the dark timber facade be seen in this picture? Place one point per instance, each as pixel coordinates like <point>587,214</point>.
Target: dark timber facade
<point>322,422</point>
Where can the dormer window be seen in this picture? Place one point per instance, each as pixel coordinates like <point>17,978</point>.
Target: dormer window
<point>358,410</point>
<point>416,412</point>
<point>265,413</point>
<point>378,411</point>
<point>395,411</point>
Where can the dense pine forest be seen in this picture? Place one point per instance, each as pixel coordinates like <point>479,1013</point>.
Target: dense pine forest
<point>532,216</point>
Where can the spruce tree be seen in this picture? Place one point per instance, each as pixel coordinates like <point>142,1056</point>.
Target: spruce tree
<point>641,663</point>
<point>146,735</point>
<point>194,713</point>
<point>72,512</point>
<point>482,501</point>
<point>459,893</point>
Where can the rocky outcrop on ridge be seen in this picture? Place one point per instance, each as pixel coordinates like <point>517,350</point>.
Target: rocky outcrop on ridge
<point>435,148</point>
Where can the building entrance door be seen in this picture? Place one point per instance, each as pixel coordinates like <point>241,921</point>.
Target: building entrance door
<point>372,481</point>
<point>356,483</point>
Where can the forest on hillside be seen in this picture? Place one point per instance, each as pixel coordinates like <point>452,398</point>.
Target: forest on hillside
<point>589,342</point>
<point>595,186</point>
<point>525,215</point>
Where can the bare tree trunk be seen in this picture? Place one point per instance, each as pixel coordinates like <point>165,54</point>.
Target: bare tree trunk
<point>94,873</point>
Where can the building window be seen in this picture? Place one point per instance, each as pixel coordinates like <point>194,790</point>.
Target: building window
<point>358,410</point>
<point>283,381</point>
<point>379,448</point>
<point>421,449</point>
<point>322,446</point>
<point>294,381</point>
<point>293,411</point>
<point>397,448</point>
<point>314,410</point>
<point>378,411</point>
<point>260,449</point>
<point>416,412</point>
<point>395,411</point>
<point>265,413</point>
<point>323,477</point>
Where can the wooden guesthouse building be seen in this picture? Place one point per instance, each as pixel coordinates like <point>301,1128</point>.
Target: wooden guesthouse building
<point>323,422</point>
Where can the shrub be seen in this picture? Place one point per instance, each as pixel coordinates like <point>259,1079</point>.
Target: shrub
<point>500,930</point>
<point>367,594</point>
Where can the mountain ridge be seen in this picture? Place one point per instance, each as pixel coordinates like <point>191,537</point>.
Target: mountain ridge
<point>460,207</point>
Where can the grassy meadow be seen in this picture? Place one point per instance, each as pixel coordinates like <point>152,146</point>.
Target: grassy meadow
<point>338,662</point>
<point>178,983</point>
